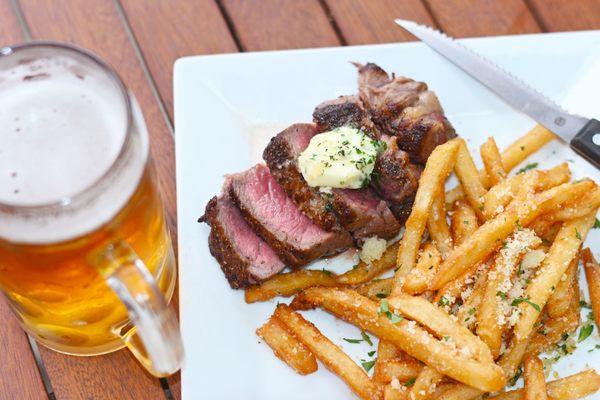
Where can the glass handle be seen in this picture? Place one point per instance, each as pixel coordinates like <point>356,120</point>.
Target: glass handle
<point>154,339</point>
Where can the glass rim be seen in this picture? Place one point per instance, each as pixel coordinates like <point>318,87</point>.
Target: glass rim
<point>82,195</point>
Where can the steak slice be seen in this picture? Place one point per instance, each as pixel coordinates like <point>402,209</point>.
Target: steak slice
<point>275,218</point>
<point>395,178</point>
<point>343,111</point>
<point>364,214</point>
<point>244,257</point>
<point>281,155</point>
<point>402,107</point>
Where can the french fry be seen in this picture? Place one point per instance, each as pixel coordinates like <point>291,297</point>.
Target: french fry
<point>394,393</point>
<point>364,272</point>
<point>287,348</point>
<point>592,274</point>
<point>562,297</point>
<point>499,196</point>
<point>425,384</point>
<point>467,313</point>
<point>492,161</point>
<point>553,330</point>
<point>329,354</point>
<point>401,369</point>
<point>512,156</point>
<point>438,226</point>
<point>387,352</point>
<point>460,392</point>
<point>535,381</point>
<point>446,296</point>
<point>289,284</point>
<point>545,229</point>
<point>438,167</point>
<point>571,387</point>
<point>490,323</point>
<point>463,222</point>
<point>491,235</point>
<point>586,205</point>
<point>418,279</point>
<point>525,146</point>
<point>467,174</point>
<point>376,289</point>
<point>408,336</point>
<point>561,253</point>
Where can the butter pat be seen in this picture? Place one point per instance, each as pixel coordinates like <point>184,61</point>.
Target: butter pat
<point>341,158</point>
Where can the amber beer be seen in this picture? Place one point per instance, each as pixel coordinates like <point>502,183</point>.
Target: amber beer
<point>86,260</point>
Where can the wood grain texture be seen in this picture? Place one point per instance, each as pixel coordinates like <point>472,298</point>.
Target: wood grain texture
<point>19,374</point>
<point>187,27</point>
<point>567,15</point>
<point>464,18</point>
<point>368,21</point>
<point>280,24</point>
<point>98,26</point>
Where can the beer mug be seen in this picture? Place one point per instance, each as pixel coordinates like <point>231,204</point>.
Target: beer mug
<point>86,260</point>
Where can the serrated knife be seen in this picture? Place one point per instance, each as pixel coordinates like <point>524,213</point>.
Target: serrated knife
<point>582,134</point>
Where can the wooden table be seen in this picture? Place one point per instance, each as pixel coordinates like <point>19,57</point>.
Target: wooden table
<point>142,39</point>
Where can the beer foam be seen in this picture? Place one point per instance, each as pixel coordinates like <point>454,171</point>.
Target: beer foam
<point>63,124</point>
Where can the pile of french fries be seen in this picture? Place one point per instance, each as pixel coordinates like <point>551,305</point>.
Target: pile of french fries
<point>485,279</point>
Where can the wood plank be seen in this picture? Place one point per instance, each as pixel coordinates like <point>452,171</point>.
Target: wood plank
<point>193,27</point>
<point>280,24</point>
<point>19,374</point>
<point>98,26</point>
<point>567,15</point>
<point>367,21</point>
<point>464,18</point>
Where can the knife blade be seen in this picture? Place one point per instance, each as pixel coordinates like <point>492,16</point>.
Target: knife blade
<point>582,134</point>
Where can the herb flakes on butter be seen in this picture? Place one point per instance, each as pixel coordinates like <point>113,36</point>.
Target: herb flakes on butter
<point>340,158</point>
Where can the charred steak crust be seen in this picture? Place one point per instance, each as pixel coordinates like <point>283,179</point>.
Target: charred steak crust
<point>281,158</point>
<point>395,178</point>
<point>332,243</point>
<point>402,107</point>
<point>343,111</point>
<point>221,247</point>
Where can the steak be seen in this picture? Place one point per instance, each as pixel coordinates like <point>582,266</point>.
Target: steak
<point>277,219</point>
<point>343,111</point>
<point>244,257</point>
<point>394,177</point>
<point>404,108</point>
<point>281,155</point>
<point>364,214</point>
<point>358,211</point>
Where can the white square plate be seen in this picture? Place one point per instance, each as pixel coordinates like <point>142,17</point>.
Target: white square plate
<point>228,106</point>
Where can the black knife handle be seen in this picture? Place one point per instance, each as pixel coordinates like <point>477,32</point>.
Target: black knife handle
<point>587,142</point>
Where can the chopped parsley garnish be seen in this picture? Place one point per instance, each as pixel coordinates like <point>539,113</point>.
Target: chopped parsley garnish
<point>585,332</point>
<point>500,294</point>
<point>367,365</point>
<point>365,338</point>
<point>443,302</point>
<point>381,295</point>
<point>516,377</point>
<point>328,207</point>
<point>527,168</point>
<point>371,353</point>
<point>577,234</point>
<point>520,300</point>
<point>597,224</point>
<point>584,304</point>
<point>327,272</point>
<point>472,311</point>
<point>410,382</point>
<point>384,308</point>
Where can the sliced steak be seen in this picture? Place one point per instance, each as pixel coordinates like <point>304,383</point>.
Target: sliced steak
<point>364,214</point>
<point>281,155</point>
<point>277,219</point>
<point>343,111</point>
<point>394,177</point>
<point>402,107</point>
<point>402,210</point>
<point>244,257</point>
